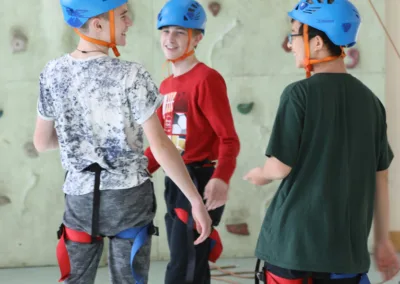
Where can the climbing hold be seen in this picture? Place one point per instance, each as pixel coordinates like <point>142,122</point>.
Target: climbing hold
<point>214,8</point>
<point>30,150</point>
<point>245,108</point>
<point>238,229</point>
<point>1,112</point>
<point>4,200</point>
<point>18,41</point>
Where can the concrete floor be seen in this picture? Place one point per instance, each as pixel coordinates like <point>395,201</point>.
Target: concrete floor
<point>50,275</point>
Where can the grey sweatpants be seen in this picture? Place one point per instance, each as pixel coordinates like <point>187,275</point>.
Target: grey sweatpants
<point>119,210</point>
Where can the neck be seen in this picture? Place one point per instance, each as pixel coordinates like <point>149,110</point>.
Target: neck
<point>334,66</point>
<point>184,66</point>
<point>87,49</point>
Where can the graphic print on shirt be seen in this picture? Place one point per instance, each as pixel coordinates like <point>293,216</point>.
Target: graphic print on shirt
<point>175,109</point>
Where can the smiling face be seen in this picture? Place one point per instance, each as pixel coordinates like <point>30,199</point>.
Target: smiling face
<point>174,41</point>
<point>101,26</point>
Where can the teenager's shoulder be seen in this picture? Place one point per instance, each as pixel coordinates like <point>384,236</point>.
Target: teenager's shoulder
<point>103,62</point>
<point>125,63</point>
<point>124,68</point>
<point>206,75</point>
<point>53,64</point>
<point>136,72</point>
<point>209,72</point>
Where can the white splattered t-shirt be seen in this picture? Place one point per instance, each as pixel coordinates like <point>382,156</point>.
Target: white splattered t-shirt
<point>98,105</point>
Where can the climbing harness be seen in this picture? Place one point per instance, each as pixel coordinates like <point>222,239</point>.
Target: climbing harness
<point>139,235</point>
<point>184,215</point>
<point>266,276</point>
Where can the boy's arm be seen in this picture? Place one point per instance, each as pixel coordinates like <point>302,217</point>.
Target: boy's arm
<point>45,136</point>
<point>153,165</point>
<point>284,143</point>
<point>386,259</point>
<point>144,100</point>
<point>168,156</point>
<point>214,103</point>
<point>381,207</point>
<point>273,170</point>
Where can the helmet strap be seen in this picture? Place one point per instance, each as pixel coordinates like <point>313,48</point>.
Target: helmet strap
<point>186,54</point>
<point>111,44</point>
<point>308,63</point>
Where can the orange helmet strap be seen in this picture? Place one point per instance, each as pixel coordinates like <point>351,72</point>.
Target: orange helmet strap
<point>308,63</point>
<point>186,53</point>
<point>111,44</point>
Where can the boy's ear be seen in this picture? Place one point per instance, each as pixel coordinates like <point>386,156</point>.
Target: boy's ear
<point>96,24</point>
<point>319,43</point>
<point>198,38</point>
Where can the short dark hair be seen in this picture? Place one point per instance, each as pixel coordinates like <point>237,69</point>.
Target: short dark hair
<point>334,50</point>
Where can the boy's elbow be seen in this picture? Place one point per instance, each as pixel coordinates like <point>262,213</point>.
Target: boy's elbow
<point>159,146</point>
<point>277,169</point>
<point>39,148</point>
<point>284,172</point>
<point>39,144</point>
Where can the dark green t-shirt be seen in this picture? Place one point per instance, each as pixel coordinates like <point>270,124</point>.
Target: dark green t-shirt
<point>331,129</point>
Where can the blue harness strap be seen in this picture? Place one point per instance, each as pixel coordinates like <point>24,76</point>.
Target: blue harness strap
<point>140,236</point>
<point>363,277</point>
<point>343,276</point>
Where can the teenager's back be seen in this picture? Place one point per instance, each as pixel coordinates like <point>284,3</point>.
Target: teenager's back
<point>97,104</point>
<point>331,129</point>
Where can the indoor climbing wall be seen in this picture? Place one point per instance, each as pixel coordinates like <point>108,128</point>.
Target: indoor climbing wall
<point>244,41</point>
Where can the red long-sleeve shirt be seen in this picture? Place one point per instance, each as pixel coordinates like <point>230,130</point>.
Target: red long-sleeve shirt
<point>196,115</point>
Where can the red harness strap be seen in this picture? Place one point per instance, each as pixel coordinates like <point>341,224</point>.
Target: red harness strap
<point>274,279</point>
<point>216,243</point>
<point>65,234</point>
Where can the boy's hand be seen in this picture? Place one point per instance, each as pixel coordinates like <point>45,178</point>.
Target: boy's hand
<point>255,176</point>
<point>203,221</point>
<point>216,193</point>
<point>386,259</point>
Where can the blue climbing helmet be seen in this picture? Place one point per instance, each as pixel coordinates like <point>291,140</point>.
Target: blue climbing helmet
<point>338,19</point>
<point>188,14</point>
<point>78,12</point>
